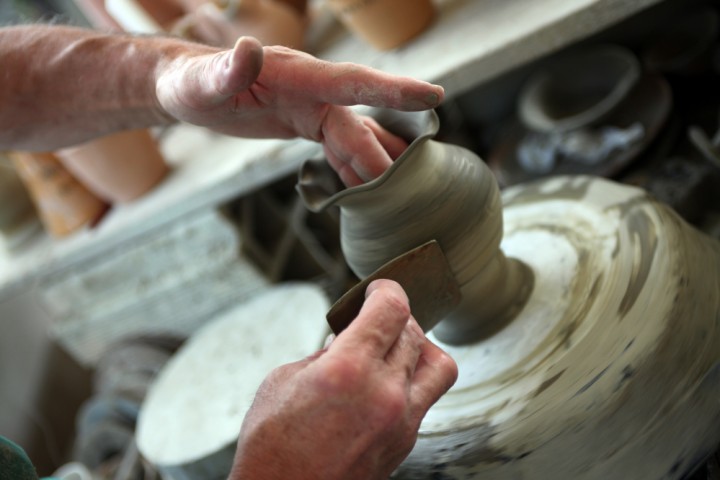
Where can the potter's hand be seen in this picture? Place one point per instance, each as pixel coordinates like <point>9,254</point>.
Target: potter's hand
<point>278,92</point>
<point>351,411</point>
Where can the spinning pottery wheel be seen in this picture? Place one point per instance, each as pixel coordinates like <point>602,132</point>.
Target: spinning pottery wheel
<point>588,332</point>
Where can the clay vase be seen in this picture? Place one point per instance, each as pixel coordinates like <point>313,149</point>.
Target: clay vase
<point>419,199</point>
<point>384,24</point>
<point>221,23</point>
<point>63,204</point>
<point>118,168</point>
<point>606,363</point>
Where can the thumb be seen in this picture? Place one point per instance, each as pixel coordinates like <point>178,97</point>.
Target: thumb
<point>232,71</point>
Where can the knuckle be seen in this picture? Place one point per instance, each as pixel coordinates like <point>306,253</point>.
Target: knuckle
<point>341,376</point>
<point>398,305</point>
<point>375,340</point>
<point>449,368</point>
<point>416,334</point>
<point>445,374</point>
<point>393,406</point>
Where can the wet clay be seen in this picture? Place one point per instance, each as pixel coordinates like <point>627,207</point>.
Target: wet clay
<point>433,191</point>
<point>607,368</point>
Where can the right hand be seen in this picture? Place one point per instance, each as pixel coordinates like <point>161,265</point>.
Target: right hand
<point>276,92</point>
<point>351,411</point>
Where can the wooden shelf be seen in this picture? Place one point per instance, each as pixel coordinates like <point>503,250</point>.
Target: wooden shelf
<point>471,41</point>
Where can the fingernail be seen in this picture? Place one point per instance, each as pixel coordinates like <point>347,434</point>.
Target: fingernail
<point>432,100</point>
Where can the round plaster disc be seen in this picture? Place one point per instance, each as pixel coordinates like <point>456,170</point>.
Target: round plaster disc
<point>192,415</point>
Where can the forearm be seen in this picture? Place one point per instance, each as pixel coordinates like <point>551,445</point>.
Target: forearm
<point>60,86</point>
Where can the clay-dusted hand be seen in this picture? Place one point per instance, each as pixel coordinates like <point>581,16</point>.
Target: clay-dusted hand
<point>352,410</point>
<point>255,91</point>
<point>83,84</point>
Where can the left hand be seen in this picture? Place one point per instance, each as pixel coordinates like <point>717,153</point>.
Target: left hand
<point>352,410</point>
<point>263,92</point>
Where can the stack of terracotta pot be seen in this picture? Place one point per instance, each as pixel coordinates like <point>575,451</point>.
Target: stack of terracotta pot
<point>214,22</point>
<point>72,188</point>
<point>383,24</point>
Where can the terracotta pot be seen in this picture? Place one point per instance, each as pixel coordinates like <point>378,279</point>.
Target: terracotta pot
<point>221,23</point>
<point>300,6</point>
<point>165,12</point>
<point>384,24</point>
<point>64,204</point>
<point>609,367</point>
<point>119,167</point>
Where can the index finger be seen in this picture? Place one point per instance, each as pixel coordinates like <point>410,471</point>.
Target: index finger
<point>353,84</point>
<point>380,322</point>
<point>345,83</point>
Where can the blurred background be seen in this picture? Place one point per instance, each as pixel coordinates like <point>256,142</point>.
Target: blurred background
<point>89,312</point>
<point>13,11</point>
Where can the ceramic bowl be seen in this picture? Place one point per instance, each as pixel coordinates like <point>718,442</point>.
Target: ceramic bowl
<point>578,89</point>
<point>649,105</point>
